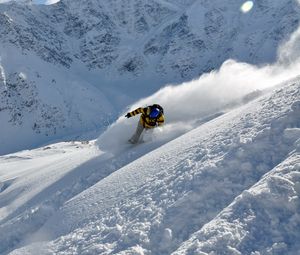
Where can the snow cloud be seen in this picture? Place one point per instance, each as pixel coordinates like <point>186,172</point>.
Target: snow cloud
<point>189,104</point>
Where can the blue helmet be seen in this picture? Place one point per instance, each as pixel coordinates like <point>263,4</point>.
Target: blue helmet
<point>154,113</point>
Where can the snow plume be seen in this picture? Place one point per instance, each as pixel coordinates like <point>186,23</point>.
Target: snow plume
<point>289,53</point>
<point>190,104</point>
<point>2,78</point>
<point>212,92</point>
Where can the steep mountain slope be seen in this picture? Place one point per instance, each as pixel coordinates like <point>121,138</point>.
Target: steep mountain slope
<point>36,107</point>
<point>90,59</point>
<point>189,196</point>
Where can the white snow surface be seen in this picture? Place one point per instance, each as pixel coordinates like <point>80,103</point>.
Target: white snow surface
<point>231,185</point>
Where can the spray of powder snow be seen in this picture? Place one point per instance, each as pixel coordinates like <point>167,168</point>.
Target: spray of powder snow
<point>191,103</point>
<point>2,78</point>
<point>289,53</point>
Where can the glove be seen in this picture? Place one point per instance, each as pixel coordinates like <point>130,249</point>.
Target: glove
<point>128,115</point>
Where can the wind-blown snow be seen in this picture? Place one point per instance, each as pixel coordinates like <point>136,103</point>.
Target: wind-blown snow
<point>191,103</point>
<point>289,53</point>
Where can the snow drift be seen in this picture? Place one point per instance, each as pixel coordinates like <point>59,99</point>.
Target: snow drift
<point>270,222</point>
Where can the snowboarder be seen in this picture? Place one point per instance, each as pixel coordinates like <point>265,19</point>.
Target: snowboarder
<point>152,116</point>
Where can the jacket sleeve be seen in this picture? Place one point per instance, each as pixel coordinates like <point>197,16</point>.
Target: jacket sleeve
<point>161,120</point>
<point>138,111</point>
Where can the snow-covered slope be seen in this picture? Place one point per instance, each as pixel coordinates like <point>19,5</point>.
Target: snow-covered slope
<point>263,219</point>
<point>230,186</point>
<point>90,59</point>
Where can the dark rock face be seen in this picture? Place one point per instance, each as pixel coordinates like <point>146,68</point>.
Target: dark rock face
<point>20,100</point>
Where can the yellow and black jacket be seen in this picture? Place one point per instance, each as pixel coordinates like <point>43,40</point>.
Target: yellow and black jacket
<point>145,119</point>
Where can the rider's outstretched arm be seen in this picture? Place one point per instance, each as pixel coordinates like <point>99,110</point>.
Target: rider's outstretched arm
<point>136,111</point>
